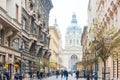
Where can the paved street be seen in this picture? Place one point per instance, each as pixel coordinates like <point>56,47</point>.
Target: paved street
<point>59,78</point>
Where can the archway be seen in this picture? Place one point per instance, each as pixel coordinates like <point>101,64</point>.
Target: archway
<point>73,60</point>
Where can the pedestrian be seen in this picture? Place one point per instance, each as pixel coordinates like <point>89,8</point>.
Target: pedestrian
<point>41,74</point>
<point>66,74</point>
<point>77,74</point>
<point>57,74</point>
<point>61,73</point>
<point>71,73</point>
<point>16,75</point>
<point>6,74</point>
<point>88,77</point>
<point>0,75</point>
<point>38,74</point>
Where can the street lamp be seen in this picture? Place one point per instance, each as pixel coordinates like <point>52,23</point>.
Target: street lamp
<point>21,50</point>
<point>95,42</point>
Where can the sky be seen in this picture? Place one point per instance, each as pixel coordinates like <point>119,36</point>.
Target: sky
<point>62,11</point>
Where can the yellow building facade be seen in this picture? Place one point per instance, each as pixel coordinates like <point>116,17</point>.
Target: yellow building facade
<point>54,48</point>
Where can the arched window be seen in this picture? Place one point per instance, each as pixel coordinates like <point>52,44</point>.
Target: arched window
<point>73,57</point>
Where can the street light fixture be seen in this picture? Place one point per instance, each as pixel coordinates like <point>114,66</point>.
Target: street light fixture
<point>95,42</point>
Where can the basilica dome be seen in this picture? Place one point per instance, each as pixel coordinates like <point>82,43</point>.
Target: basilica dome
<point>74,28</point>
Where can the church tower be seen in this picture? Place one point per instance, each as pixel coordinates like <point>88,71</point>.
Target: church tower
<point>73,49</point>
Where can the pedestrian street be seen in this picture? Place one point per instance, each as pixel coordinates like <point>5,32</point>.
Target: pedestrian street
<point>59,78</point>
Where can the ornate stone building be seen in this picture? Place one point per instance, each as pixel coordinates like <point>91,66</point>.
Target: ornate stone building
<point>107,14</point>
<point>24,25</point>
<point>73,49</point>
<point>35,33</point>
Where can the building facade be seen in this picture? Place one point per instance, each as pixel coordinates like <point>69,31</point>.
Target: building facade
<point>24,35</point>
<point>55,48</point>
<point>107,14</point>
<point>73,50</point>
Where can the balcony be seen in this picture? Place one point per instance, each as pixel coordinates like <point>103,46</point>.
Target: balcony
<point>8,22</point>
<point>33,37</point>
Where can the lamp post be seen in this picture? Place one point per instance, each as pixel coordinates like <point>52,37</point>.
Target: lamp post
<point>21,49</point>
<point>95,42</point>
<point>87,54</point>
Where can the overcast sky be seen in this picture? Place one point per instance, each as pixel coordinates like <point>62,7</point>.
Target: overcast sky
<point>63,10</point>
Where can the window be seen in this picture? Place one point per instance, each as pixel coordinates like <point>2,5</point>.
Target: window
<point>40,33</point>
<point>17,8</point>
<point>24,23</point>
<point>31,6</point>
<point>2,36</point>
<point>77,41</point>
<point>73,57</point>
<point>16,44</point>
<point>8,40</point>
<point>32,28</point>
<point>74,41</point>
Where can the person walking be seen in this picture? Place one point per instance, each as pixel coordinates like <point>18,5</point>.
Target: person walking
<point>88,77</point>
<point>16,75</point>
<point>0,75</point>
<point>71,73</point>
<point>57,74</point>
<point>62,73</point>
<point>6,74</point>
<point>38,74</point>
<point>41,75</point>
<point>77,74</point>
<point>66,74</point>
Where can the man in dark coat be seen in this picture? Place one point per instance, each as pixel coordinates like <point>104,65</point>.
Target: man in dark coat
<point>77,74</point>
<point>57,74</point>
<point>66,74</point>
<point>88,77</point>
